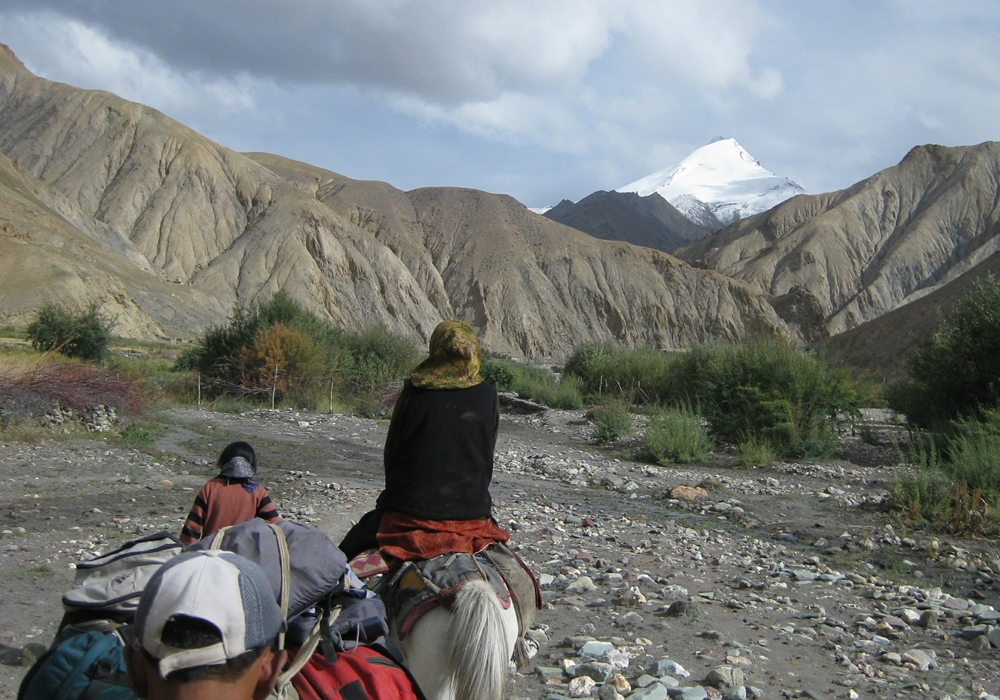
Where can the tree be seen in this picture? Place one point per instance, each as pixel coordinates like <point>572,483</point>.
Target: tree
<point>956,372</point>
<point>85,335</point>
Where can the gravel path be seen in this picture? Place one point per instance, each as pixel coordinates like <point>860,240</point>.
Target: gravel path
<point>778,582</point>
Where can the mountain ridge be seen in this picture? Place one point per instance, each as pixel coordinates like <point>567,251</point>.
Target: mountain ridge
<point>720,178</point>
<point>217,228</point>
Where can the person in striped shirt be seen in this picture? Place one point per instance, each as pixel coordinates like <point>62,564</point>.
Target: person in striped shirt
<point>231,497</point>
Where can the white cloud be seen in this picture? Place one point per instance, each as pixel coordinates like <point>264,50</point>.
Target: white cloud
<point>70,51</point>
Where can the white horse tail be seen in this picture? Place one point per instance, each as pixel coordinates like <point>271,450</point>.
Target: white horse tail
<point>478,658</point>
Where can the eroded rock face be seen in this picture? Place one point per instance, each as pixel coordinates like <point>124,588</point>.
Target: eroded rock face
<point>196,227</point>
<point>866,250</point>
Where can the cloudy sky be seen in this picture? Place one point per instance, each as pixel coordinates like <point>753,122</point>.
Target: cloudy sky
<point>540,99</point>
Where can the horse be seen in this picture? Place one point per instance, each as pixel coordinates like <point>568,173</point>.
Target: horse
<point>463,653</point>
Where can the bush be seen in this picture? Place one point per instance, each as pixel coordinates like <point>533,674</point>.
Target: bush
<point>770,391</point>
<point>957,370</point>
<point>755,452</point>
<point>642,375</point>
<point>502,375</point>
<point>278,348</point>
<point>612,421</point>
<point>539,385</point>
<point>374,362</point>
<point>84,336</point>
<point>676,436</point>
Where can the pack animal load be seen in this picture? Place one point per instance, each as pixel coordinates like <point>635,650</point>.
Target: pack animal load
<point>85,660</point>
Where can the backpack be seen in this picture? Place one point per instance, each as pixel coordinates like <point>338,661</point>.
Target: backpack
<point>366,673</point>
<point>106,590</point>
<point>323,602</point>
<point>85,660</point>
<point>85,666</point>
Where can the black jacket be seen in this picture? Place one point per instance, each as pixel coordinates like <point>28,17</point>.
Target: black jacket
<point>439,453</point>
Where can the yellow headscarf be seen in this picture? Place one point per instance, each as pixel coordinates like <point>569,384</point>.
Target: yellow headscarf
<point>455,359</point>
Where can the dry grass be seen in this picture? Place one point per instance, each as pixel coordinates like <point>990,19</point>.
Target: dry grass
<point>31,384</point>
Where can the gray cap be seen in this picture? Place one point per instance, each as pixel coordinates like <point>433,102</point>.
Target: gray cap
<point>223,589</point>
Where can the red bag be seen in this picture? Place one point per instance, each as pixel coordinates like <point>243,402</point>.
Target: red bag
<point>362,674</point>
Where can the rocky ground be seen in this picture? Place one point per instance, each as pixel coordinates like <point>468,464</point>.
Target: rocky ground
<point>695,582</point>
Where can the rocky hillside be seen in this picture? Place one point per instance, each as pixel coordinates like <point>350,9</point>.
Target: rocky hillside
<point>834,261</point>
<point>625,216</point>
<point>114,201</point>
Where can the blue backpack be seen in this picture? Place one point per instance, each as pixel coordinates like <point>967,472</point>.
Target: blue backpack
<point>85,666</point>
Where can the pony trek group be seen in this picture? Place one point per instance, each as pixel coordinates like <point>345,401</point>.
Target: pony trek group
<point>422,599</point>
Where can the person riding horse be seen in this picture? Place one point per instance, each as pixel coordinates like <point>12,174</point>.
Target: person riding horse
<point>438,458</point>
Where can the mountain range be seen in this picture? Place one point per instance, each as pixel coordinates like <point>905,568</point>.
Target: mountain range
<point>107,201</point>
<point>717,184</point>
<point>112,202</point>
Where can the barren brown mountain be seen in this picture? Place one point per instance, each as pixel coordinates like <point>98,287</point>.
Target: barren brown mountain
<point>831,262</point>
<point>169,229</point>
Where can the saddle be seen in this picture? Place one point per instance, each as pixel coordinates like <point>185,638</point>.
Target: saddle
<point>412,588</point>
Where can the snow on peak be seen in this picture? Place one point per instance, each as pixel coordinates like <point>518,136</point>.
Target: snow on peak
<point>721,177</point>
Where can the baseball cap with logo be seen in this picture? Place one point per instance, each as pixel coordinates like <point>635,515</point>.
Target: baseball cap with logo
<point>223,589</point>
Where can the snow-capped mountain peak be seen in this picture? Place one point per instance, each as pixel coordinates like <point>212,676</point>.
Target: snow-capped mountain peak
<point>720,178</point>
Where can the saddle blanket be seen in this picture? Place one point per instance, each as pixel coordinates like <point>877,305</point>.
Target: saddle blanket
<point>417,586</point>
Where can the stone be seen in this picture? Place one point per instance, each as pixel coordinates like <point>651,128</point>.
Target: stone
<point>31,652</point>
<point>165,482</point>
<point>736,692</point>
<point>688,493</point>
<point>695,693</point>
<point>994,636</point>
<point>666,667</point>
<point>980,643</point>
<point>584,584</point>
<point>580,687</point>
<point>724,677</point>
<point>596,649</point>
<point>682,608</point>
<point>600,672</point>
<point>654,691</point>
<point>609,692</point>
<point>922,658</point>
<point>548,673</point>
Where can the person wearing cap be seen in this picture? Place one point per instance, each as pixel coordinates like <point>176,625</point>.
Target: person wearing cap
<point>231,497</point>
<point>206,628</point>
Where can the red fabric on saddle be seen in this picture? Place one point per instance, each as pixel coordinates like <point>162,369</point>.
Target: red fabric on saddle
<point>362,674</point>
<point>408,538</point>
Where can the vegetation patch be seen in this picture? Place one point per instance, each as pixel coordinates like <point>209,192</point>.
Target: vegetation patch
<point>277,353</point>
<point>612,421</point>
<point>676,436</point>
<point>84,336</point>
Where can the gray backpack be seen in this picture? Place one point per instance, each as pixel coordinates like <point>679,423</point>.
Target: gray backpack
<point>106,590</point>
<point>311,582</point>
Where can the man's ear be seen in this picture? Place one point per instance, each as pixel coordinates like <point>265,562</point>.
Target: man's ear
<point>269,665</point>
<point>138,670</point>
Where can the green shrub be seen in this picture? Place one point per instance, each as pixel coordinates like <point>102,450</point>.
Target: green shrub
<point>136,434</point>
<point>676,436</point>
<point>278,348</point>
<point>85,335</point>
<point>612,421</point>
<point>501,374</point>
<point>639,374</point>
<point>768,390</point>
<point>973,453</point>
<point>374,363</point>
<point>538,385</point>
<point>957,370</point>
<point>755,452</point>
